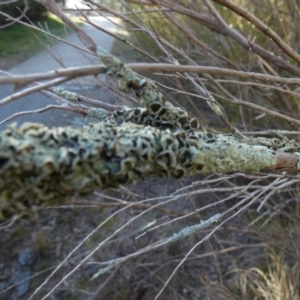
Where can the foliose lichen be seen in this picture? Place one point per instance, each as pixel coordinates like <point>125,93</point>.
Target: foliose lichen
<point>157,110</point>
<point>41,166</point>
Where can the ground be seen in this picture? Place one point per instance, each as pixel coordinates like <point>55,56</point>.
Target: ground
<point>54,232</point>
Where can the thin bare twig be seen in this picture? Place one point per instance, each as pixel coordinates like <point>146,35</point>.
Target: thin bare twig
<point>40,110</point>
<point>247,15</point>
<point>68,73</point>
<point>74,72</point>
<point>45,32</point>
<point>22,14</point>
<point>52,6</point>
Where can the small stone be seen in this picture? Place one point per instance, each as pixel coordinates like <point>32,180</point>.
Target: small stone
<point>23,287</point>
<point>27,257</point>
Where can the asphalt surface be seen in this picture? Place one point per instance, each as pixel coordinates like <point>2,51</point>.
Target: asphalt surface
<point>50,60</point>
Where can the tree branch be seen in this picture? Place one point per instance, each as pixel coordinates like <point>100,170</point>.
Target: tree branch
<point>261,26</point>
<point>41,166</point>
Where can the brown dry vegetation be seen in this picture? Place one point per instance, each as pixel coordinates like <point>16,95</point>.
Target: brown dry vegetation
<point>254,254</point>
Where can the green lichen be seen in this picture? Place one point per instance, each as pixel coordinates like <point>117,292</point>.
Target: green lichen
<point>226,154</point>
<point>157,109</point>
<point>298,163</point>
<point>42,167</point>
<point>97,112</point>
<point>70,96</point>
<point>283,144</point>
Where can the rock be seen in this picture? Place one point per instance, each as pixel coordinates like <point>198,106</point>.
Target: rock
<point>27,257</point>
<point>23,287</point>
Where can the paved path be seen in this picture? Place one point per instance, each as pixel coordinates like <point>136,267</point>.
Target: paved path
<point>44,61</point>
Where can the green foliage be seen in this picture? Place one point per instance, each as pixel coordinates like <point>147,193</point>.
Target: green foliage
<point>18,39</point>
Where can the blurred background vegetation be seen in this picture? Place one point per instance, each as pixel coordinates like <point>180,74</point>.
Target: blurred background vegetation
<point>208,46</point>
<point>31,8</point>
<point>19,42</point>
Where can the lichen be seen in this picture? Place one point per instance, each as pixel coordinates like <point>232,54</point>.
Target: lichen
<point>70,96</point>
<point>41,166</point>
<point>225,154</point>
<point>191,230</point>
<point>298,164</point>
<point>157,110</point>
<point>283,144</point>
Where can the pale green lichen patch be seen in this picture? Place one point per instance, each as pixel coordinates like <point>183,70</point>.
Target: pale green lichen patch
<point>97,112</point>
<point>298,163</point>
<point>159,112</point>
<point>158,116</point>
<point>70,96</point>
<point>283,144</point>
<point>41,166</point>
<point>225,154</point>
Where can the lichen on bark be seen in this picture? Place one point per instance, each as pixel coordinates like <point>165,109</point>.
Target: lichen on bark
<point>157,110</point>
<point>41,166</point>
